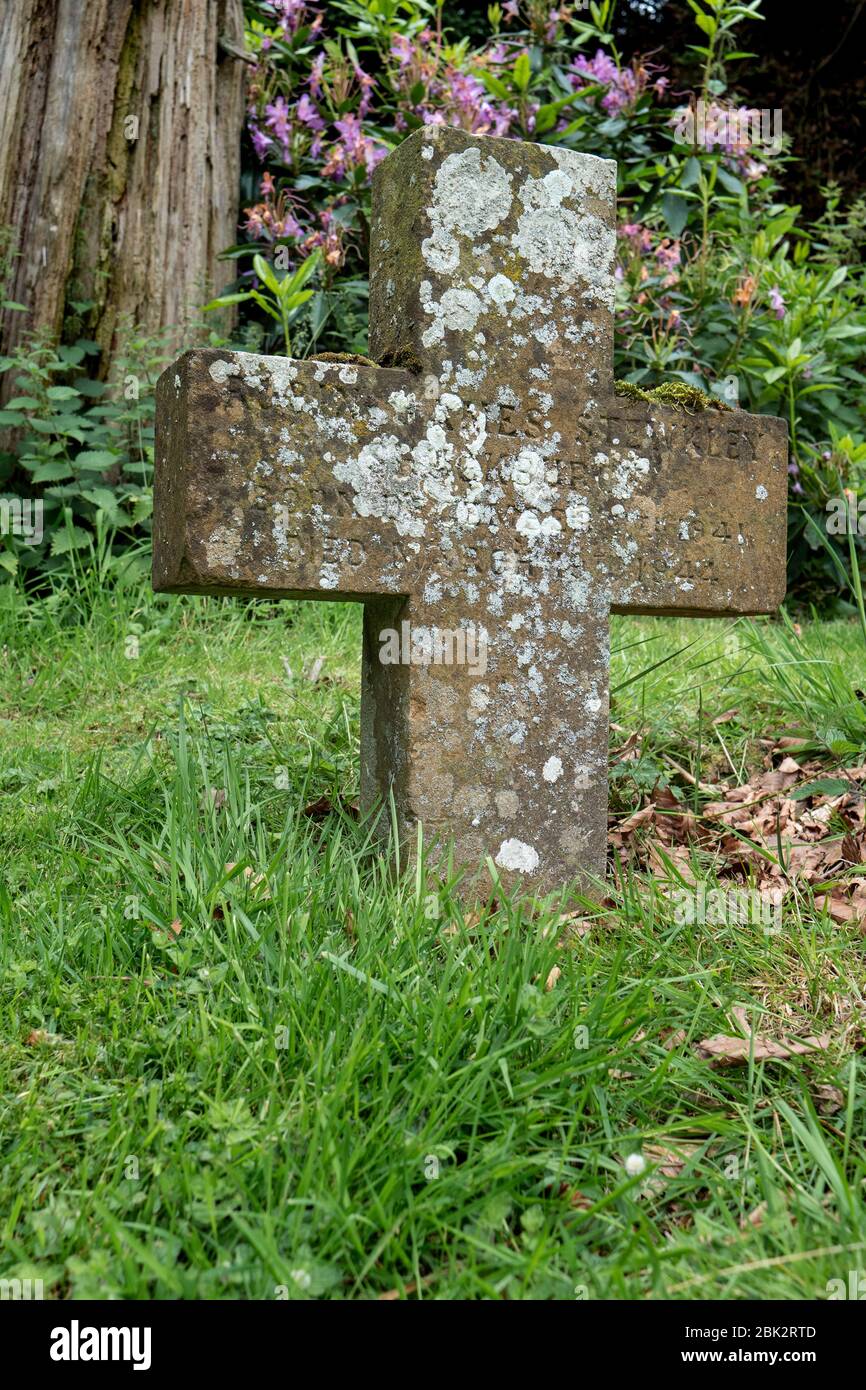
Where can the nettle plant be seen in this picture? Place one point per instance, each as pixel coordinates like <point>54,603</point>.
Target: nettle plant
<point>719,283</point>
<point>78,448</point>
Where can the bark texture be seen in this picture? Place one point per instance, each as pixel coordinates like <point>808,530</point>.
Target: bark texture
<point>120,126</point>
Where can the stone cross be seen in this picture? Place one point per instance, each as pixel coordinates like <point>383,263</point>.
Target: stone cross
<point>483,492</point>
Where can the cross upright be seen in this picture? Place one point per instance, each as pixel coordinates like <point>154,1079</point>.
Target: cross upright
<point>483,492</point>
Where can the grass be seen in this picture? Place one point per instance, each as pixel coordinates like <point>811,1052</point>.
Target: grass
<point>242,1060</point>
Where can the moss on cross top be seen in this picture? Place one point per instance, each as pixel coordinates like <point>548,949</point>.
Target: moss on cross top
<point>675,393</point>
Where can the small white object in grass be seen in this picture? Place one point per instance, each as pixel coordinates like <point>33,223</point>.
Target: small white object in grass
<point>635,1165</point>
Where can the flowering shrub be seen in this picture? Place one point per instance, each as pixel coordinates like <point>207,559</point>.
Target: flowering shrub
<point>717,283</point>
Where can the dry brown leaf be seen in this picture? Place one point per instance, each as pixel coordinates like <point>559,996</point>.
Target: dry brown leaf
<point>552,978</point>
<point>755,1218</point>
<point>828,1099</point>
<point>637,818</point>
<point>725,1051</point>
<point>671,1160</point>
<point>727,716</point>
<point>574,924</point>
<point>575,1197</point>
<point>838,908</point>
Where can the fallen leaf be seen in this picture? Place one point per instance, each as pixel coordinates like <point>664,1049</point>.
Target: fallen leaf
<point>638,818</point>
<point>726,1051</point>
<point>838,908</point>
<point>755,1218</point>
<point>671,1160</point>
<point>828,1099</point>
<point>726,718</point>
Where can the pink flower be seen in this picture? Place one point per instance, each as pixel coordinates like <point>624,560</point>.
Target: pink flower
<point>277,120</point>
<point>353,150</point>
<point>402,49</point>
<point>625,86</point>
<point>317,70</point>
<point>261,142</point>
<point>290,14</point>
<point>777,303</point>
<point>668,253</point>
<point>308,114</point>
<point>601,68</point>
<point>367,84</point>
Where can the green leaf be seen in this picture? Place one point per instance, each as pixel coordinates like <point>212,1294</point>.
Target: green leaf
<point>521,73</point>
<point>822,786</point>
<point>691,172</point>
<point>102,497</point>
<point>266,274</point>
<point>729,180</point>
<point>676,211</point>
<point>304,270</point>
<point>224,299</point>
<point>52,472</point>
<point>96,458</point>
<point>493,84</point>
<point>69,355</point>
<point>69,538</point>
<point>86,387</point>
<point>294,301</point>
<point>61,393</point>
<point>545,116</point>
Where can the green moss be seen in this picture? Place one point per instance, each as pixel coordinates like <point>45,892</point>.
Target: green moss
<point>674,393</point>
<point>343,357</point>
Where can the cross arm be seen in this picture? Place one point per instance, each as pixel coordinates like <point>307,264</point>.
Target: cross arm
<point>294,478</point>
<point>694,510</point>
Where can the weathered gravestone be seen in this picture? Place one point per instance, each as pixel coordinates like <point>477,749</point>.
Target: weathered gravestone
<point>485,486</point>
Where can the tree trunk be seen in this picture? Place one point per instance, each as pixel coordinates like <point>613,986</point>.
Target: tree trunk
<point>120,126</point>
